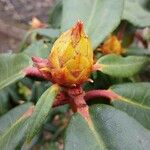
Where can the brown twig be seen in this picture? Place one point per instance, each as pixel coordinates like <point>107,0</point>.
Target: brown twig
<point>140,38</point>
<point>100,93</point>
<point>121,31</point>
<point>78,103</point>
<point>63,99</point>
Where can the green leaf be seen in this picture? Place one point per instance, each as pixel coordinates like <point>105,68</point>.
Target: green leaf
<point>100,17</point>
<point>24,41</point>
<point>55,15</point>
<point>119,66</point>
<point>38,89</point>
<point>13,127</point>
<point>137,51</point>
<point>134,99</point>
<point>110,129</point>
<point>12,66</point>
<point>136,14</point>
<point>14,134</point>
<point>39,49</point>
<point>48,32</point>
<point>6,95</point>
<point>42,110</point>
<point>4,99</point>
<point>12,116</point>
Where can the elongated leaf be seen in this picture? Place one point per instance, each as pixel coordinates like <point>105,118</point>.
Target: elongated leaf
<point>134,98</point>
<point>39,49</point>
<point>55,15</point>
<point>138,51</point>
<point>110,129</point>
<point>144,3</point>
<point>24,40</point>
<point>13,127</point>
<point>4,105</point>
<point>42,110</point>
<point>38,89</point>
<point>11,68</point>
<point>12,116</point>
<point>7,95</point>
<point>136,14</point>
<point>48,32</point>
<point>118,66</point>
<point>100,17</point>
<point>14,134</point>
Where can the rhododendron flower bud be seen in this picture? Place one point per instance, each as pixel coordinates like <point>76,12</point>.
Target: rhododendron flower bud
<point>71,57</point>
<point>36,23</point>
<point>112,45</point>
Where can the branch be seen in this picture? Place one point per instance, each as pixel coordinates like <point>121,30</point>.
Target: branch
<point>63,99</point>
<point>78,103</point>
<point>121,31</point>
<point>140,38</point>
<point>100,93</point>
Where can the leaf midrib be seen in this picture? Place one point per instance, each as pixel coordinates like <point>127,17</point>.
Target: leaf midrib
<point>20,120</point>
<point>127,100</point>
<point>50,93</point>
<point>96,135</point>
<point>11,79</point>
<point>36,116</point>
<point>120,65</point>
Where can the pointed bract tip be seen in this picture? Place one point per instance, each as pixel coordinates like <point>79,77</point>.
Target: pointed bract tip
<point>36,59</point>
<point>76,32</point>
<point>77,28</point>
<point>36,23</point>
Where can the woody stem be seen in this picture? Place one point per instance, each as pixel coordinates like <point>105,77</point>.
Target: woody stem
<point>121,31</point>
<point>63,99</point>
<point>78,103</point>
<point>100,93</point>
<point>140,38</point>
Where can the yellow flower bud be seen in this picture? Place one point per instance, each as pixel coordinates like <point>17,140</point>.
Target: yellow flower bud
<point>111,45</point>
<point>71,57</point>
